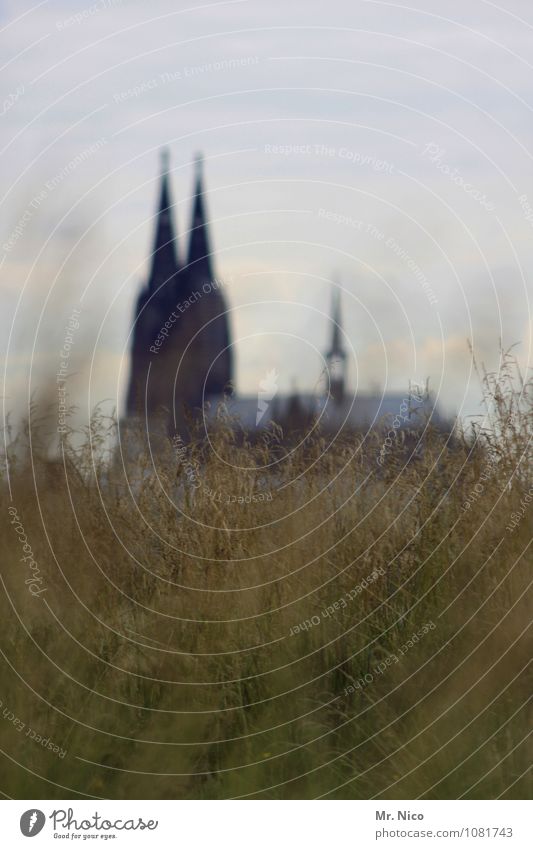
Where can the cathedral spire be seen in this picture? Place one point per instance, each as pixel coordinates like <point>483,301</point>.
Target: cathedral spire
<point>199,255</point>
<point>164,260</point>
<point>336,356</point>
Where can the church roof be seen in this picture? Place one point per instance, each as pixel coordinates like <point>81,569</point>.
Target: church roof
<point>360,411</point>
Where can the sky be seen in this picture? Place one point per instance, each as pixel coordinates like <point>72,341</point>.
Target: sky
<point>382,147</point>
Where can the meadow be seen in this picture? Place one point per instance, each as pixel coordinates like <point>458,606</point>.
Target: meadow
<point>269,618</point>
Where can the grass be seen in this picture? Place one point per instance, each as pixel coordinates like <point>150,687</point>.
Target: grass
<point>354,631</point>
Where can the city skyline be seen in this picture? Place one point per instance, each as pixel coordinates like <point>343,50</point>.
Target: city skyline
<point>411,189</point>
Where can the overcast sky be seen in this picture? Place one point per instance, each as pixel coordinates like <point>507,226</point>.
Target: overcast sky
<point>386,146</point>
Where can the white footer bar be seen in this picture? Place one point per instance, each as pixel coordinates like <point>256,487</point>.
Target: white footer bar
<point>267,824</point>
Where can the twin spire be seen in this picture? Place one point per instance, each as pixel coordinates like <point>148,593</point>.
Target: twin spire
<point>165,260</point>
<point>165,264</point>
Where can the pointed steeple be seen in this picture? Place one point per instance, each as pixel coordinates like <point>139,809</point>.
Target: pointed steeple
<point>336,356</point>
<point>164,259</point>
<point>199,255</point>
<point>336,345</point>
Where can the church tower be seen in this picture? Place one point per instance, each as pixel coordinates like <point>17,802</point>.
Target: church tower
<point>181,351</point>
<point>211,350</point>
<point>199,253</point>
<point>336,356</point>
<point>160,289</point>
<point>164,259</point>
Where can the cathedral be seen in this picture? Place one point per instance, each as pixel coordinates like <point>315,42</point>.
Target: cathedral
<point>181,352</point>
<point>182,356</point>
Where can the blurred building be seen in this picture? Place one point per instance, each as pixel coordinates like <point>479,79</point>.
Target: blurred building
<point>181,357</point>
<point>181,354</point>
